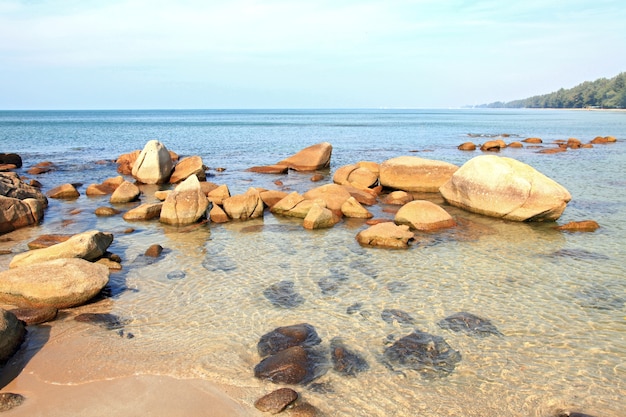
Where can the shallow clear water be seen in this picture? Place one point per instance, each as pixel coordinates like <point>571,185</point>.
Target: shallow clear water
<point>557,298</point>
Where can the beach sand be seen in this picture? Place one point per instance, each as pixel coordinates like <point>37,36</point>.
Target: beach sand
<point>35,370</point>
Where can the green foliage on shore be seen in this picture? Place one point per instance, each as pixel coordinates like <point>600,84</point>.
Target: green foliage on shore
<point>602,93</point>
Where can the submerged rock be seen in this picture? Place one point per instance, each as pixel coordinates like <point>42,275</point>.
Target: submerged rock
<point>9,400</point>
<point>468,323</point>
<point>283,295</point>
<point>281,338</point>
<point>105,320</point>
<point>345,361</point>
<point>391,314</point>
<point>276,401</point>
<point>429,355</point>
<point>294,365</point>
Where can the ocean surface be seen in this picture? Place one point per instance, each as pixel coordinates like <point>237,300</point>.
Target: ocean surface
<point>558,299</point>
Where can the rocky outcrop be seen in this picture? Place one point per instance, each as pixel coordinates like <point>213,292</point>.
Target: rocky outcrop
<point>11,159</point>
<point>505,188</point>
<point>13,187</point>
<point>386,235</point>
<point>60,283</point>
<point>125,193</point>
<point>87,245</point>
<point>309,159</point>
<point>153,165</point>
<point>15,213</point>
<point>126,162</point>
<point>424,216</point>
<point>186,204</point>
<point>356,175</point>
<point>244,206</point>
<point>410,173</point>
<point>12,333</point>
<point>186,167</point>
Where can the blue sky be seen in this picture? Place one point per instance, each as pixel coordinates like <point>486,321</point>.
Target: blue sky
<point>127,54</point>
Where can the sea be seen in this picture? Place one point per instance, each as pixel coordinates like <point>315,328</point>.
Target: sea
<point>198,311</point>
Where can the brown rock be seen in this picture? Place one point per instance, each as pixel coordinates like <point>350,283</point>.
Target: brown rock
<point>45,241</point>
<point>126,161</point>
<point>186,204</point>
<point>410,173</point>
<point>125,193</point>
<point>290,366</point>
<point>276,401</point>
<point>387,235</point>
<point>219,194</point>
<point>574,143</point>
<point>186,167</point>
<point>311,158</point>
<point>146,211</point>
<point>33,316</point>
<point>319,217</point>
<point>207,187</point>
<point>492,146</point>
<point>217,215</point>
<point>287,204</point>
<point>553,150</point>
<point>107,187</point>
<point>269,169</point>
<point>467,146</point>
<point>15,213</point>
<point>424,216</point>
<point>154,251</point>
<point>281,338</point>
<point>398,198</point>
<point>9,401</point>
<point>580,226</point>
<point>106,211</point>
<point>154,164</point>
<point>271,197</point>
<point>353,209</point>
<point>11,159</point>
<point>532,140</point>
<point>333,195</point>
<point>12,186</point>
<point>64,192</point>
<point>41,168</point>
<point>317,178</point>
<point>244,206</point>
<point>60,283</point>
<point>516,145</point>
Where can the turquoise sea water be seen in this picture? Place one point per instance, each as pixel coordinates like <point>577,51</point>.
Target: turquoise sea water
<point>557,298</point>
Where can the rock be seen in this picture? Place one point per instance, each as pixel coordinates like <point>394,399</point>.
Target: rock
<point>333,195</point>
<point>217,215</point>
<point>161,195</point>
<point>492,146</point>
<point>365,196</point>
<point>125,193</point>
<point>154,251</point>
<point>126,161</point>
<point>9,400</point>
<point>467,146</point>
<point>353,209</point>
<point>429,355</point>
<point>304,409</point>
<point>410,173</point>
<point>13,187</point>
<point>146,211</point>
<point>33,316</point>
<point>191,165</point>
<point>294,365</point>
<point>282,294</point>
<point>269,169</point>
<point>153,165</point>
<point>356,176</point>
<point>106,211</point>
<point>281,338</point>
<point>603,140</point>
<point>41,168</point>
<point>45,241</point>
<point>580,226</point>
<point>219,194</point>
<point>107,321</point>
<point>533,140</point>
<point>59,283</point>
<point>87,245</point>
<point>11,158</point>
<point>186,204</point>
<point>397,198</point>
<point>271,197</point>
<point>389,315</point>
<point>505,188</point>
<point>244,206</point>
<point>574,143</point>
<point>345,361</point>
<point>516,145</point>
<point>310,159</point>
<point>424,216</point>
<point>287,204</point>
<point>207,187</point>
<point>107,187</point>
<point>469,323</point>
<point>319,217</point>
<point>317,178</point>
<point>15,214</point>
<point>64,192</point>
<point>12,334</point>
<point>276,401</point>
<point>387,235</point>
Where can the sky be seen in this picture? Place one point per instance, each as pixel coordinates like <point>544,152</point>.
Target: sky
<point>205,54</point>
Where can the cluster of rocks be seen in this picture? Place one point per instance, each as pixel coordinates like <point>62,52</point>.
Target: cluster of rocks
<point>495,145</point>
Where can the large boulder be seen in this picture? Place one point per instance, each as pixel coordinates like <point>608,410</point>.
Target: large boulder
<point>319,217</point>
<point>11,159</point>
<point>424,216</point>
<point>333,195</point>
<point>186,167</point>
<point>154,164</point>
<point>505,188</point>
<point>311,158</point>
<point>357,176</point>
<point>386,235</point>
<point>125,193</point>
<point>64,192</point>
<point>12,186</point>
<point>186,204</point>
<point>88,245</point>
<point>15,213</point>
<point>126,162</point>
<point>244,206</point>
<point>12,333</point>
<point>60,283</point>
<point>410,173</point>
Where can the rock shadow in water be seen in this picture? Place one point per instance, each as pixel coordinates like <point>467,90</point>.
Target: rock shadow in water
<point>599,297</point>
<point>468,323</point>
<point>282,294</point>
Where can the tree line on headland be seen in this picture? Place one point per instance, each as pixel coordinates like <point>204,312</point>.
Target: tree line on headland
<point>599,94</point>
